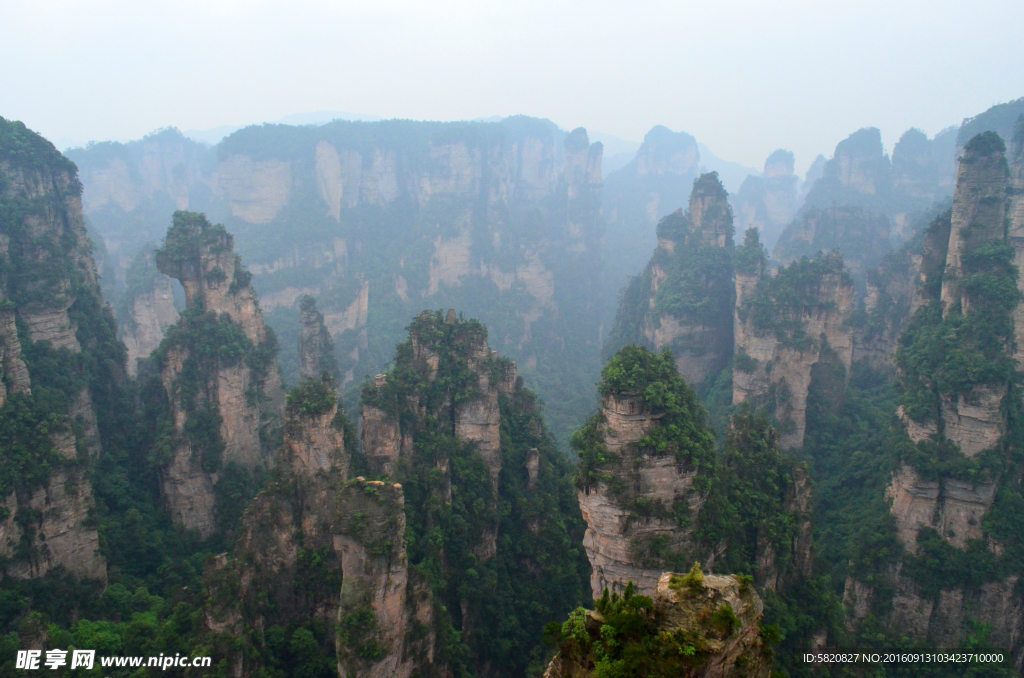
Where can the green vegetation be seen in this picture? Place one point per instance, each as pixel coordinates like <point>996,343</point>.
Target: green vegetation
<point>539,571</point>
<point>795,291</point>
<point>627,635</point>
<point>312,397</point>
<point>695,286</point>
<point>752,257</point>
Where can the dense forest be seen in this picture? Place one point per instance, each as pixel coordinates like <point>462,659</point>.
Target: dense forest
<point>234,424</point>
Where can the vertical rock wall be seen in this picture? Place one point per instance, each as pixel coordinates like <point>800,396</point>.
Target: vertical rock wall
<point>778,344</point>
<point>47,276</point>
<point>241,393</point>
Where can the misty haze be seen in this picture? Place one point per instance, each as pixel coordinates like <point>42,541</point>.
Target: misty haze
<point>511,340</point>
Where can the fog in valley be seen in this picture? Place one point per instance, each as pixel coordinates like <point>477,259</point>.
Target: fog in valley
<point>527,339</point>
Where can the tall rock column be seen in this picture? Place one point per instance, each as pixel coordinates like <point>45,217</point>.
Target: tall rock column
<point>316,348</point>
<point>979,212</point>
<point>147,310</point>
<point>654,491</point>
<point>218,369</point>
<point>682,301</point>
<point>952,492</point>
<point>793,321</point>
<point>1015,233</point>
<point>48,443</point>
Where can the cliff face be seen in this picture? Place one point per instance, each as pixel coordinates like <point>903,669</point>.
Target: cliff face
<point>614,532</point>
<point>681,302</point>
<point>500,219</point>
<point>452,423</point>
<point>218,370</point>
<point>147,309</point>
<point>1015,231</point>
<point>654,184</point>
<point>979,215</point>
<point>784,326</point>
<point>316,348</point>
<point>717,616</point>
<point>317,546</point>
<point>652,488</point>
<point>945,501</point>
<point>49,429</point>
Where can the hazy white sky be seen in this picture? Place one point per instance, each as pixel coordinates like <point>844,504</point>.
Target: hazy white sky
<point>743,76</point>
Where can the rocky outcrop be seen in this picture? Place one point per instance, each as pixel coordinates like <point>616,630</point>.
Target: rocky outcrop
<point>932,497</point>
<point>452,424</point>
<point>476,420</point>
<point>614,532</point>
<point>691,607</point>
<point>681,302</point>
<point>979,212</point>
<point>317,545</point>
<point>14,377</point>
<point>226,400</point>
<point>645,500</point>
<point>794,321</point>
<point>954,508</point>
<point>316,348</point>
<point>47,276</point>
<point>55,523</point>
<point>945,621</point>
<point>1015,231</point>
<point>147,309</point>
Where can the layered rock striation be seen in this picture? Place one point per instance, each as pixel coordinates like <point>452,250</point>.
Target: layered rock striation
<point>682,300</point>
<point>696,626</point>
<point>948,492</point>
<point>653,490</point>
<point>785,325</point>
<point>58,355</point>
<point>217,367</point>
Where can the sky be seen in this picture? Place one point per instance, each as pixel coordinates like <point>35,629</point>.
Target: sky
<point>743,76</point>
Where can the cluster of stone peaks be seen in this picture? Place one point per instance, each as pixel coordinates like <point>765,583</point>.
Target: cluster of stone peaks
<point>426,425</point>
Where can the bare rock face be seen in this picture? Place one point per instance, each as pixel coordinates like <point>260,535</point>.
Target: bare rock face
<point>355,531</point>
<point>681,301</point>
<point>46,269</point>
<point>686,607</point>
<point>147,311</point>
<point>613,531</point>
<point>15,374</point>
<point>57,525</point>
<point>376,580</point>
<point>219,299</point>
<point>979,211</point>
<point>776,362</point>
<point>952,507</point>
<point>316,348</point>
<point>1015,232</point>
